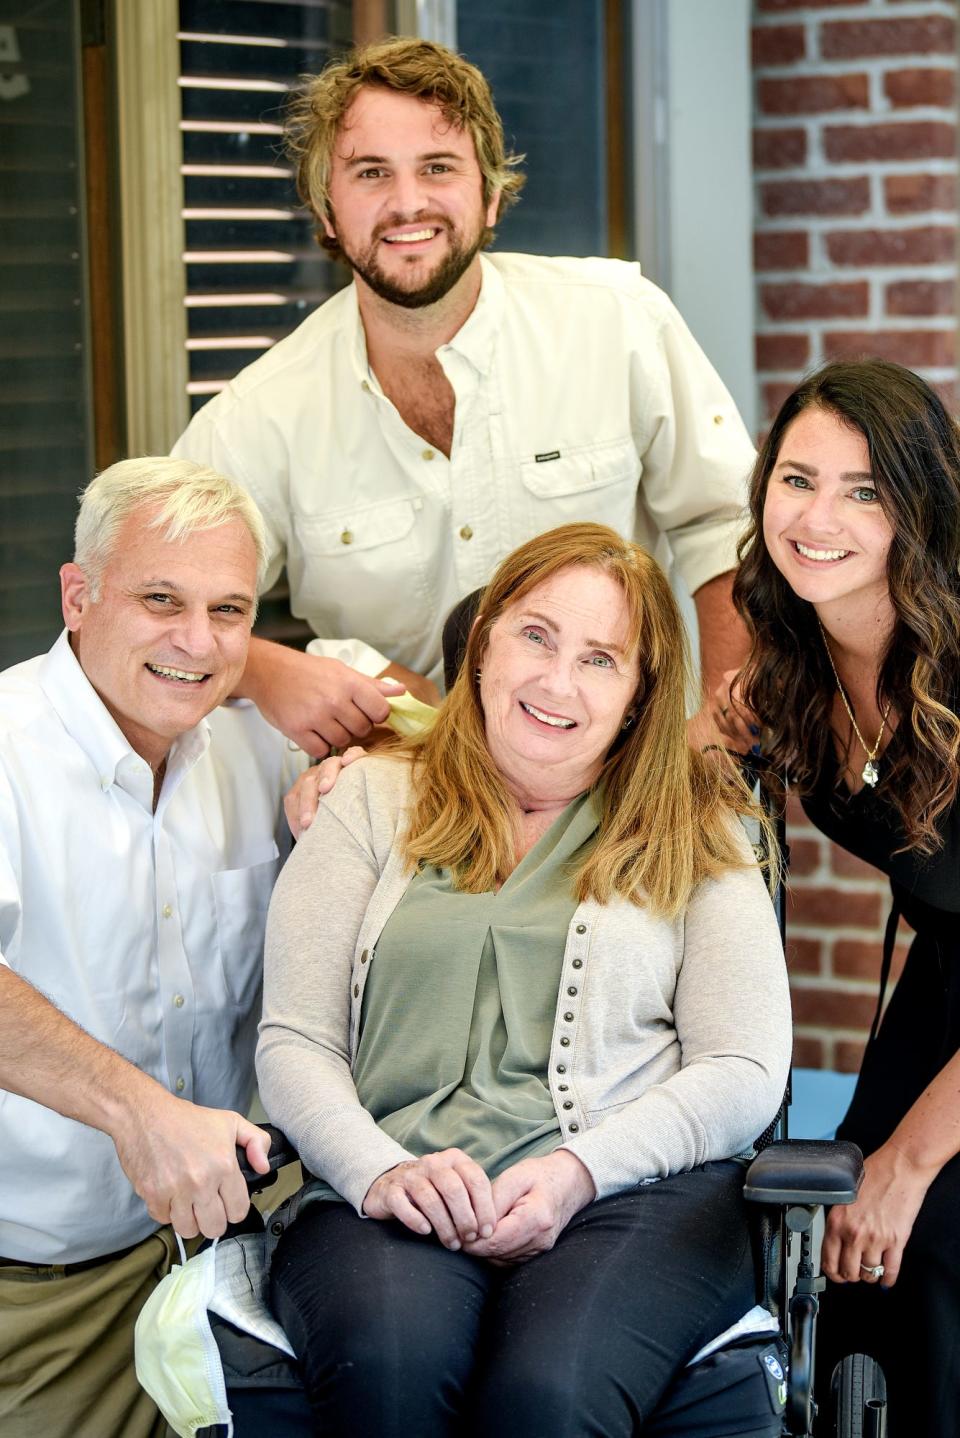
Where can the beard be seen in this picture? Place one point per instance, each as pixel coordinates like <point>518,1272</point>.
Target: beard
<point>433,287</point>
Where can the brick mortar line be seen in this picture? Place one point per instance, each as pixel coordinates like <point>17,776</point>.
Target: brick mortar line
<point>836,986</point>
<point>821,935</point>
<point>820,224</point>
<point>873,10</point>
<point>875,67</point>
<point>822,325</point>
<point>791,277</point>
<point>827,879</point>
<point>901,274</point>
<point>844,324</point>
<point>815,15</point>
<point>934,375</point>
<point>857,169</point>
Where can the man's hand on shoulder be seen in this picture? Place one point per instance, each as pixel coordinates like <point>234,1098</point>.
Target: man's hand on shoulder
<point>301,801</point>
<point>319,703</point>
<point>181,1159</point>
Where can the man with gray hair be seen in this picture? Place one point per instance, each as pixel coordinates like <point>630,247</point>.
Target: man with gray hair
<point>140,834</point>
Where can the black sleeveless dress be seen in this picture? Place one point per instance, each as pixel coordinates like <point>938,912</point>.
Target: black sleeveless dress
<point>913,1329</point>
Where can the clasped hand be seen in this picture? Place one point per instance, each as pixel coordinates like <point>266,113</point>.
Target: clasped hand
<point>520,1214</point>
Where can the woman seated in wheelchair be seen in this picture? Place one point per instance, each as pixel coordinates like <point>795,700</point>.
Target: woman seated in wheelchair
<point>525,1004</point>
<point>850,584</point>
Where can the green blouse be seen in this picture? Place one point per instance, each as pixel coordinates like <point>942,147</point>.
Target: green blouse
<point>460,1002</point>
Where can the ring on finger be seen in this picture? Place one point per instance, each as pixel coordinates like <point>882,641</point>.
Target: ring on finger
<point>872,1270</point>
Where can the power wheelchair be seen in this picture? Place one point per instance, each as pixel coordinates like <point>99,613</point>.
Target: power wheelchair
<point>788,1183</point>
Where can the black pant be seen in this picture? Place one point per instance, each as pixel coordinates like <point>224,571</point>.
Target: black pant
<point>912,1329</point>
<point>399,1336</point>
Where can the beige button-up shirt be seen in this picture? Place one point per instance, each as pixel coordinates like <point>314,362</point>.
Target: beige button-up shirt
<point>580,395</point>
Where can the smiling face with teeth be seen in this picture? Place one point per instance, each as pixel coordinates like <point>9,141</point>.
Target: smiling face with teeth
<point>557,681</point>
<point>823,524</point>
<point>167,639</point>
<point>406,198</point>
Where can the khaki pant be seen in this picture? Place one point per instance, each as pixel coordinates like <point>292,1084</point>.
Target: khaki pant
<point>66,1347</point>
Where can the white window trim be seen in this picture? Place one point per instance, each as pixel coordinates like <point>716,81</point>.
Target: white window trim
<point>693,186</point>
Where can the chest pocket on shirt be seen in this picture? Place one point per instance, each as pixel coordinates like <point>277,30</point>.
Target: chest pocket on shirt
<point>347,532</point>
<point>362,571</point>
<point>241,897</point>
<point>595,484</point>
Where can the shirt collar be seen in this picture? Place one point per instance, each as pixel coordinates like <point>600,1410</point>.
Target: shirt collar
<point>474,340</point>
<point>92,727</point>
<point>477,336</point>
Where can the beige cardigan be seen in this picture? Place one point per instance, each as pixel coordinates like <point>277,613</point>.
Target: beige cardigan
<point>671,1041</point>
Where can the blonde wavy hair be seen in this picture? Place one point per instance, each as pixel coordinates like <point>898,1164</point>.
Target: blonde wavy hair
<point>665,811</point>
<point>420,68</point>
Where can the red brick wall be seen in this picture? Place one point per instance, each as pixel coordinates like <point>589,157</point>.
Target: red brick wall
<point>855,147</point>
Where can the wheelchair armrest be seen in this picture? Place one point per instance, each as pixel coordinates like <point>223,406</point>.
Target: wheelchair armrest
<point>805,1171</point>
<point>280,1153</point>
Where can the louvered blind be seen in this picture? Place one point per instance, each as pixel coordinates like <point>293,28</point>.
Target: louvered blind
<point>253,267</point>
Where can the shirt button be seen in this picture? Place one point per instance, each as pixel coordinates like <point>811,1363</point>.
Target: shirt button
<point>581,928</point>
<point>180,1085</point>
<point>178,1001</point>
<point>568,1017</point>
<point>577,964</point>
<point>428,454</point>
<point>565,1043</point>
<point>561,1068</point>
<point>572,991</point>
<point>573,1128</point>
<point>166,911</point>
<point>346,537</point>
<point>356,989</point>
<point>718,419</point>
<point>363,956</point>
<point>104,782</point>
<point>466,532</point>
<point>568,1103</point>
<point>563,1087</point>
<point>365,386</point>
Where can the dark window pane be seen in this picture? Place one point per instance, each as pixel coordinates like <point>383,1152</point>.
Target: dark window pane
<point>44,440</point>
<point>545,62</point>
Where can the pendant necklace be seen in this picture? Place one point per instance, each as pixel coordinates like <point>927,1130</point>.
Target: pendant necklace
<point>870,773</point>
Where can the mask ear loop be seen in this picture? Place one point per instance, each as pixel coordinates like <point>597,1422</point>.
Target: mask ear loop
<point>183,1251</point>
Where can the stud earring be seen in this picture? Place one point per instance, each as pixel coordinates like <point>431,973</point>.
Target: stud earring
<point>628,721</point>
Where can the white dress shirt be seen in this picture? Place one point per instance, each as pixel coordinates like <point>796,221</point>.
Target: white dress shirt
<point>144,927</point>
<point>580,395</point>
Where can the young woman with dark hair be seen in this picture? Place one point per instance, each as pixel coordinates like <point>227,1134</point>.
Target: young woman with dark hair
<point>850,584</point>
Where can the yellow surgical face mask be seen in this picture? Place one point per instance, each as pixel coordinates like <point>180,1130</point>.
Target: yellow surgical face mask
<point>178,1362</point>
<point>408,716</point>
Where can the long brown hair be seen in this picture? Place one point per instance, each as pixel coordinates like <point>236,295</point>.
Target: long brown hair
<point>665,812</point>
<point>914,449</point>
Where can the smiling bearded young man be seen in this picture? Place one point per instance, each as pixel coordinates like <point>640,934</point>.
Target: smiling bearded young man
<point>450,404</point>
<point>140,834</point>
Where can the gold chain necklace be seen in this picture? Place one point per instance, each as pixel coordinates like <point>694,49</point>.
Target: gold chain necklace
<point>870,773</point>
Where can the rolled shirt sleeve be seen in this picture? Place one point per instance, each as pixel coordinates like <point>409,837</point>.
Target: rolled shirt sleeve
<point>698,457</point>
